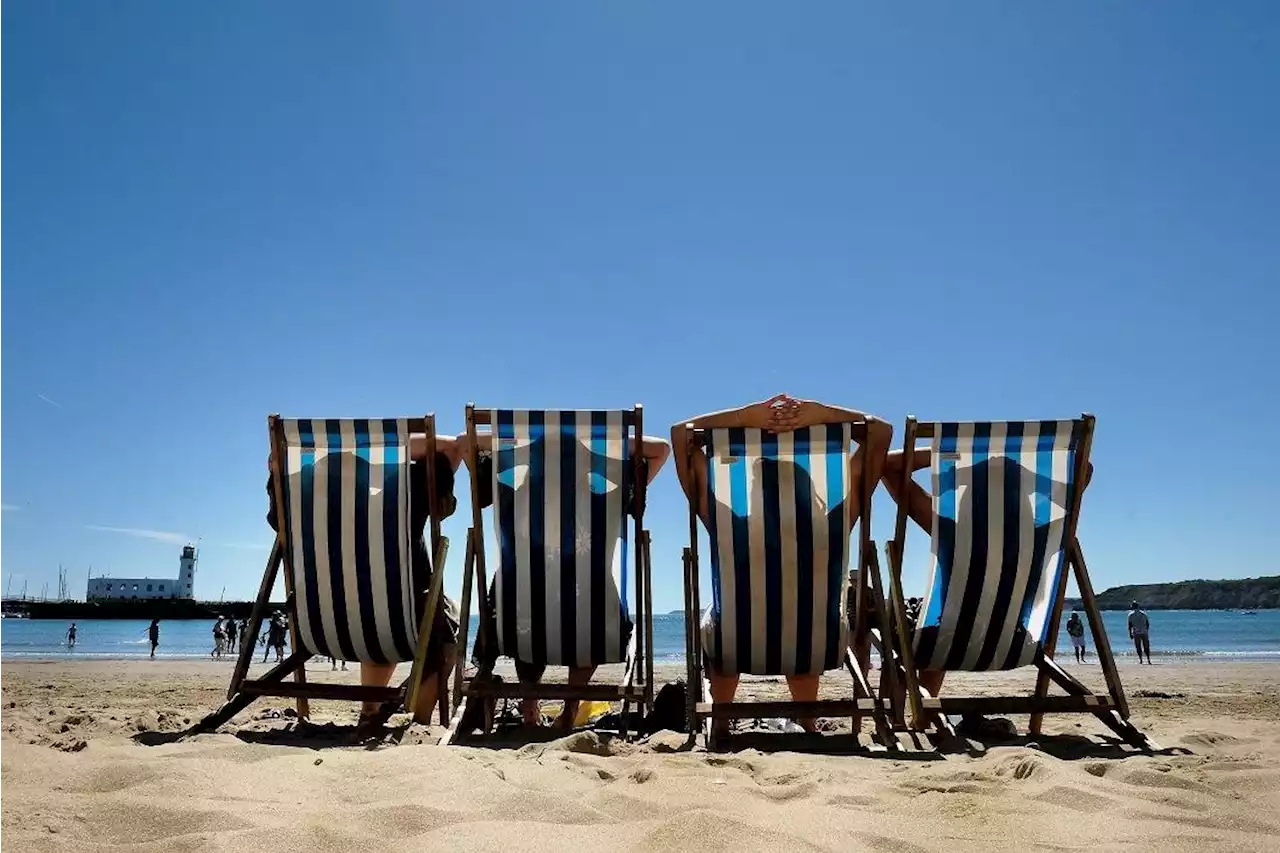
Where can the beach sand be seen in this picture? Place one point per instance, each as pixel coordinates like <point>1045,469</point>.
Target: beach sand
<point>90,763</point>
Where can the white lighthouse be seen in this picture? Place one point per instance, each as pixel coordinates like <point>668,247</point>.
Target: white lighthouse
<point>187,572</point>
<point>183,587</point>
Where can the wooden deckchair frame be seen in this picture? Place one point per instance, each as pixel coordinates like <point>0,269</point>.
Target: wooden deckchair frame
<point>243,690</point>
<point>1112,708</point>
<point>636,684</point>
<point>701,711</point>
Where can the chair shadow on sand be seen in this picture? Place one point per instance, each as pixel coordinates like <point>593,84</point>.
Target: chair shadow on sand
<point>315,736</point>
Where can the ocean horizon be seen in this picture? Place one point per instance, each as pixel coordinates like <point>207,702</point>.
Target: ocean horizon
<point>1174,634</point>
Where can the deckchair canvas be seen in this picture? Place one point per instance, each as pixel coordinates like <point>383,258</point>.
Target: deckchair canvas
<point>343,500</point>
<point>1006,502</point>
<point>778,529</point>
<point>561,482</point>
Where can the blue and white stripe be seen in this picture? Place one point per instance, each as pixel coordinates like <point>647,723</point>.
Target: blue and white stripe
<point>1001,496</point>
<point>560,480</point>
<point>348,535</point>
<point>779,531</point>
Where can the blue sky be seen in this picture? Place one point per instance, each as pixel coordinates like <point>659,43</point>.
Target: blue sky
<point>984,210</point>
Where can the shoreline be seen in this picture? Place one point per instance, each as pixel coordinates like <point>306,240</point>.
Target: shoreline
<point>1172,657</point>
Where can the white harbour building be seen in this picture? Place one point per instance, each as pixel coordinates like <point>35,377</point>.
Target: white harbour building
<point>105,589</point>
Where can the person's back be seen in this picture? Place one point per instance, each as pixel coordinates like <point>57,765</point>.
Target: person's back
<point>1075,630</point>
<point>1139,623</point>
<point>1140,632</point>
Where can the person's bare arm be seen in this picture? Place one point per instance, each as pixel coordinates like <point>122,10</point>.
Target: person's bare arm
<point>447,445</point>
<point>761,415</point>
<point>656,451</point>
<point>919,502</point>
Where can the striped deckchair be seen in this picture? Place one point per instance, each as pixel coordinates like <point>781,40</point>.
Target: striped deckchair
<point>1006,501</point>
<point>342,496</point>
<point>561,482</point>
<point>778,528</point>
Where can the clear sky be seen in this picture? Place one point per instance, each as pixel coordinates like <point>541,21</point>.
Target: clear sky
<point>213,211</point>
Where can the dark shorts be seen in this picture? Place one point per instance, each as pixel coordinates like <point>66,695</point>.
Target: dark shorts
<point>444,632</point>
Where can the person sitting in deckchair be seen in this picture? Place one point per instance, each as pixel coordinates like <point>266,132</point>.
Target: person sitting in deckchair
<point>780,414</point>
<point>486,652</point>
<point>919,505</point>
<point>442,649</point>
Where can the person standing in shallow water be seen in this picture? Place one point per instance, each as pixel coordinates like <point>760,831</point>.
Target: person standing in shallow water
<point>1075,630</point>
<point>153,634</point>
<point>71,636</point>
<point>1140,632</point>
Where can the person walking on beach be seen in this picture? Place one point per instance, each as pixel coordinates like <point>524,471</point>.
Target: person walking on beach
<point>244,632</point>
<point>1140,632</point>
<point>218,639</point>
<point>269,641</point>
<point>275,638</point>
<point>71,636</point>
<point>281,638</point>
<point>229,630</point>
<point>153,634</point>
<point>1075,629</point>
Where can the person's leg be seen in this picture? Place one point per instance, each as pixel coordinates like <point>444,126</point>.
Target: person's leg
<point>374,675</point>
<point>1137,646</point>
<point>804,688</point>
<point>578,676</point>
<point>1146,647</point>
<point>723,689</point>
<point>429,692</point>
<point>530,675</point>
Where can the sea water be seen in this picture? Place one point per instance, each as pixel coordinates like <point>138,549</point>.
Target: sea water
<point>1189,634</point>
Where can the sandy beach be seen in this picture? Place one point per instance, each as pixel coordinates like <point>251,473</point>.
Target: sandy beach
<point>91,762</point>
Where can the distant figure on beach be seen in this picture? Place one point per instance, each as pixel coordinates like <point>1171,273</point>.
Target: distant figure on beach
<point>275,638</point>
<point>1075,629</point>
<point>219,638</point>
<point>1140,632</point>
<point>153,634</point>
<point>229,631</point>
<point>268,640</point>
<point>71,636</point>
<point>244,631</point>
<point>281,639</point>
